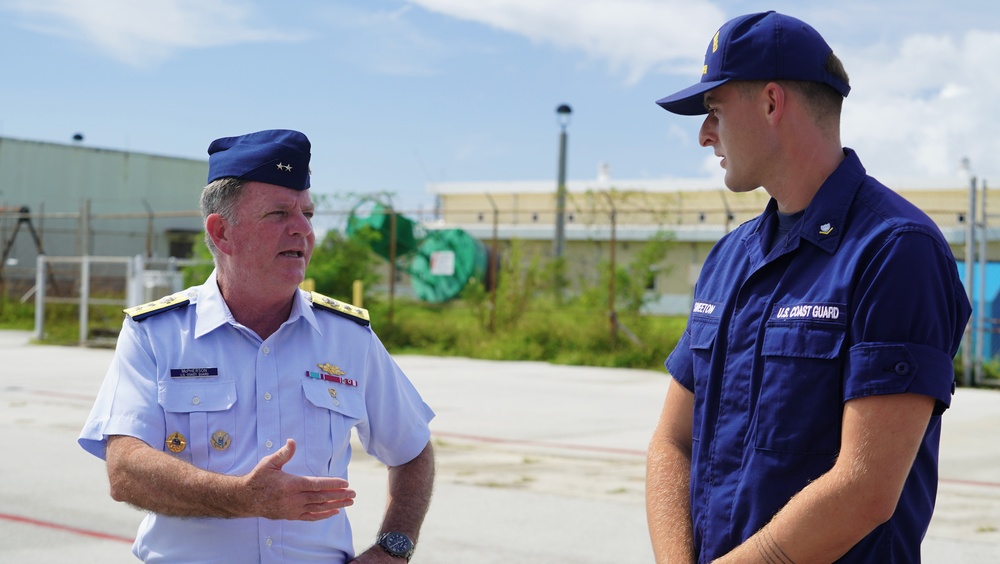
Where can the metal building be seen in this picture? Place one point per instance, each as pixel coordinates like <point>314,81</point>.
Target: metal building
<point>74,200</point>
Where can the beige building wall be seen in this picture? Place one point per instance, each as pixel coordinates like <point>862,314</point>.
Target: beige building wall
<point>696,212</point>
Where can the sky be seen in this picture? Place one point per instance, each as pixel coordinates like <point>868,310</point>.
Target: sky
<point>397,94</point>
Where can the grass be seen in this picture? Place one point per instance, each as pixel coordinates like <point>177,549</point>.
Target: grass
<point>572,336</point>
<point>561,335</point>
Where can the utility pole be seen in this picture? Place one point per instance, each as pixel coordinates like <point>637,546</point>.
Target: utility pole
<point>562,114</point>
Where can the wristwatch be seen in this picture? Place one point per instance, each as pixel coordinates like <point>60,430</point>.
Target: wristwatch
<point>397,544</point>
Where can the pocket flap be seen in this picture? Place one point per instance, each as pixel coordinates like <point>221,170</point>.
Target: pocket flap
<point>804,340</point>
<point>189,397</point>
<point>342,399</point>
<point>703,333</point>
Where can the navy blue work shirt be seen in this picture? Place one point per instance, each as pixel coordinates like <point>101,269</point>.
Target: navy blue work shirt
<point>861,298</point>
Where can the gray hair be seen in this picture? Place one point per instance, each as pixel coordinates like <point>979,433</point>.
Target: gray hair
<point>220,196</point>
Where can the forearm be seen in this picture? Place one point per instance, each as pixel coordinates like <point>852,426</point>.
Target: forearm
<point>820,524</point>
<point>668,503</point>
<point>155,481</point>
<point>409,494</point>
<point>880,439</point>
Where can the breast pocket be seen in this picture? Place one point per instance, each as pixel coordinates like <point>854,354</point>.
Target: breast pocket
<point>202,414</point>
<point>330,413</point>
<point>703,333</point>
<point>801,400</point>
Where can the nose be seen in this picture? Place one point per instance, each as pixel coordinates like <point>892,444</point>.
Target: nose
<point>708,135</point>
<point>300,224</point>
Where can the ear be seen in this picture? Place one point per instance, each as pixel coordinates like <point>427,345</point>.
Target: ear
<point>218,228</point>
<point>774,100</point>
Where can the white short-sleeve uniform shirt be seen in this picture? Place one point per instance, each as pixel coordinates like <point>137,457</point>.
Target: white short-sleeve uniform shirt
<point>196,384</point>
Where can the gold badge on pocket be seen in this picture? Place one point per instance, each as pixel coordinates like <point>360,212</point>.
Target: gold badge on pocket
<point>176,442</point>
<point>220,440</point>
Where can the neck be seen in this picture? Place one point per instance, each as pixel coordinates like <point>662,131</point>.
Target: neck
<point>805,166</point>
<point>253,308</point>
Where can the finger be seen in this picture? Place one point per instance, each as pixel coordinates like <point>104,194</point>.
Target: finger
<point>284,454</point>
<point>325,484</point>
<point>318,515</point>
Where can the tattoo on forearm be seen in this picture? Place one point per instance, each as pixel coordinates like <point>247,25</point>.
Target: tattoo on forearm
<point>769,549</point>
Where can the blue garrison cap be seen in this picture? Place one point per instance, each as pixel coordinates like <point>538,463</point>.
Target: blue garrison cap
<point>762,46</point>
<point>274,156</point>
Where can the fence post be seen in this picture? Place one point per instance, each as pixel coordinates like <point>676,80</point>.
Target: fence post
<point>84,297</point>
<point>40,269</point>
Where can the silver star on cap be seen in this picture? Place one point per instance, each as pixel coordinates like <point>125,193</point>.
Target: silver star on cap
<point>284,167</point>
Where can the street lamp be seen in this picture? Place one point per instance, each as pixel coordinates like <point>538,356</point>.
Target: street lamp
<point>562,116</point>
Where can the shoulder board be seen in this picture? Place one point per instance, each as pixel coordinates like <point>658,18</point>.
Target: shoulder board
<point>174,301</point>
<point>355,314</point>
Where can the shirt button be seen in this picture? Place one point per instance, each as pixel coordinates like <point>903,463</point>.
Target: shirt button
<point>266,350</point>
<point>268,444</point>
<point>268,541</point>
<point>267,396</point>
<point>196,400</point>
<point>336,402</point>
<point>902,368</point>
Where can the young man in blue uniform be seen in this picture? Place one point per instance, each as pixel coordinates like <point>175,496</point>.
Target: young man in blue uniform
<point>803,417</point>
<point>227,411</point>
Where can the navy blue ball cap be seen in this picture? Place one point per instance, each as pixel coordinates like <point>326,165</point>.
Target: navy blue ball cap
<point>762,46</point>
<point>274,156</point>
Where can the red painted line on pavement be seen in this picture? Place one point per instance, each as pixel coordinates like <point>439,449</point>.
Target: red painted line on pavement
<point>68,529</point>
<point>969,483</point>
<point>523,442</point>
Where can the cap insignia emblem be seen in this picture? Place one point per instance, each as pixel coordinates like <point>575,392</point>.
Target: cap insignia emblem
<point>285,167</point>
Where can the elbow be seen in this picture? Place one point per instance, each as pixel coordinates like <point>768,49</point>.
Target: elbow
<point>118,484</point>
<point>877,506</point>
<point>883,509</point>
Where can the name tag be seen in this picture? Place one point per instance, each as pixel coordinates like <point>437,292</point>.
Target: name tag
<point>193,372</point>
<point>705,308</point>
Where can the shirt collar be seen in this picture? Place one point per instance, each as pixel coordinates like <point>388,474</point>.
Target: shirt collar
<point>826,216</point>
<point>213,311</point>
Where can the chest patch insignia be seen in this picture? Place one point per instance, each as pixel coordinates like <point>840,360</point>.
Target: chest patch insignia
<point>817,312</point>
<point>176,442</point>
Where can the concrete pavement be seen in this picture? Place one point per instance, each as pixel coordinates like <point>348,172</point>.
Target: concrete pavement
<point>536,462</point>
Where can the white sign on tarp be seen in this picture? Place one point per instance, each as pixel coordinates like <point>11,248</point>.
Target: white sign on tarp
<point>443,263</point>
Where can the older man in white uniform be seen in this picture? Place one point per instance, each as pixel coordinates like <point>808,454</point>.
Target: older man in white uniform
<point>227,411</point>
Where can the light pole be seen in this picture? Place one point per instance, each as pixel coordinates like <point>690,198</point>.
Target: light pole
<point>562,115</point>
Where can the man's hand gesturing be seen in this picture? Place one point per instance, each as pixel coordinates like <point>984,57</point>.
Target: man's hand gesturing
<point>275,494</point>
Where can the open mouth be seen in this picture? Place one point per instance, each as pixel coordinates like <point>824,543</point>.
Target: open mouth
<point>292,254</point>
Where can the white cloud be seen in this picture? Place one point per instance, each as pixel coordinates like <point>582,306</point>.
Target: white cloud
<point>634,36</point>
<point>921,109</point>
<point>145,33</point>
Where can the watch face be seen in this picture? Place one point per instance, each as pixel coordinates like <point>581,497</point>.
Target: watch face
<point>397,543</point>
